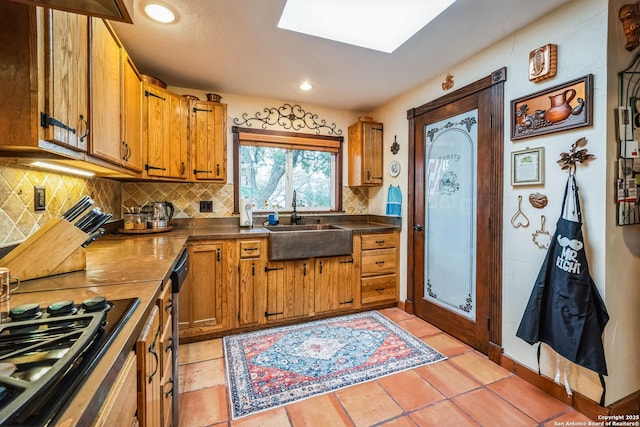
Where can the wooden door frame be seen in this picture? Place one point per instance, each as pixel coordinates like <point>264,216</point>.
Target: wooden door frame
<point>494,81</point>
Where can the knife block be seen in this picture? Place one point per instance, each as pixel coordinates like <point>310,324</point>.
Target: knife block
<point>53,249</point>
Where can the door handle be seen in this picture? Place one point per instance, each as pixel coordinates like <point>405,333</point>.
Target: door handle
<point>417,227</point>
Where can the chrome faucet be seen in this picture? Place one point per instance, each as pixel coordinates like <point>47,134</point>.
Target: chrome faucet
<point>294,215</point>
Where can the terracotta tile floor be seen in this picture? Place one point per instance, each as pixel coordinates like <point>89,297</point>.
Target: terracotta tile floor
<point>467,389</point>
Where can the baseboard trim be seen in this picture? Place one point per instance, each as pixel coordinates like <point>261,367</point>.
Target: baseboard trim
<point>629,405</point>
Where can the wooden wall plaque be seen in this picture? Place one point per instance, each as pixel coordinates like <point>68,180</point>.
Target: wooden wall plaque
<point>543,63</point>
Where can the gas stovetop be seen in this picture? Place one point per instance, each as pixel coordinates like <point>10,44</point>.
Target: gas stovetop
<point>45,354</point>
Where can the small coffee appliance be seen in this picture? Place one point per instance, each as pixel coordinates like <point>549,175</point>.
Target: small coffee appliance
<point>246,212</point>
<point>160,214</point>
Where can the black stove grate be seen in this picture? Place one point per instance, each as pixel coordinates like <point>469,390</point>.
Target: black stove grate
<point>52,356</point>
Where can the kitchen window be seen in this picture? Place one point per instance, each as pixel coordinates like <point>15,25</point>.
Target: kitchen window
<point>270,165</point>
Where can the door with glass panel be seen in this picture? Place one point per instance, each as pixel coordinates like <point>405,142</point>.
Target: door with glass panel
<point>455,242</point>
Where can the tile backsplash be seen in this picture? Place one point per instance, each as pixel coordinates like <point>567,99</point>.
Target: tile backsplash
<point>186,198</point>
<point>18,219</point>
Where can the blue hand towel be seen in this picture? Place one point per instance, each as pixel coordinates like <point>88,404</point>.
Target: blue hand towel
<point>394,201</point>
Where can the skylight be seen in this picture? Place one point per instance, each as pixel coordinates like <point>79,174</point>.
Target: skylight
<point>382,25</point>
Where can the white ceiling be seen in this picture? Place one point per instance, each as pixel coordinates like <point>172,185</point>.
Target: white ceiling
<point>234,46</point>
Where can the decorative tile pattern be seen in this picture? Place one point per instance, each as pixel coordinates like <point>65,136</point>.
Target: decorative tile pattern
<point>18,220</point>
<point>185,197</point>
<point>355,200</point>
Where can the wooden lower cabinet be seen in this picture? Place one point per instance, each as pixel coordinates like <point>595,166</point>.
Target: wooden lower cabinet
<point>165,305</point>
<point>335,287</point>
<point>204,298</point>
<point>379,258</point>
<point>233,285</point>
<point>149,371</point>
<point>120,406</point>
<point>287,289</point>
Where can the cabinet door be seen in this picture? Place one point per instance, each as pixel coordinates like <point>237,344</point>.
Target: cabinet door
<point>132,114</point>
<point>372,153</point>
<point>149,371</point>
<point>167,133</point>
<point>105,100</point>
<point>66,75</point>
<point>334,284</point>
<point>288,289</point>
<point>209,141</point>
<point>250,298</point>
<point>157,125</point>
<point>166,383</point>
<point>365,154</point>
<point>208,304</point>
<point>176,142</point>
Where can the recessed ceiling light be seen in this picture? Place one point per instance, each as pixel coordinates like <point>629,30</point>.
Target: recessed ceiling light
<point>382,25</point>
<point>305,86</point>
<point>159,13</point>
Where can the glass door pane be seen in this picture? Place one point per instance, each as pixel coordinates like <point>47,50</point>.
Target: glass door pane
<point>450,213</point>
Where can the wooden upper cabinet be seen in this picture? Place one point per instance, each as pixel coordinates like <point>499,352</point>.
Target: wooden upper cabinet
<point>167,133</point>
<point>208,141</point>
<point>66,89</point>
<point>116,101</point>
<point>132,105</point>
<point>365,154</point>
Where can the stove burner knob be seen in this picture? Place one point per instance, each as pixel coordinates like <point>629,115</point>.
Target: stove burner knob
<point>25,311</point>
<point>95,304</point>
<point>61,308</point>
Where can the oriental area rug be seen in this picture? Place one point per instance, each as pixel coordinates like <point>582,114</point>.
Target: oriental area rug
<point>277,366</point>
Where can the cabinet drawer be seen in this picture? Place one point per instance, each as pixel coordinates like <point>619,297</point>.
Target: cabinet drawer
<point>380,261</point>
<point>379,289</point>
<point>379,241</point>
<point>250,249</point>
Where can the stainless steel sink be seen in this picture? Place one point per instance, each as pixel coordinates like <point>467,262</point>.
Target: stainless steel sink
<point>305,241</point>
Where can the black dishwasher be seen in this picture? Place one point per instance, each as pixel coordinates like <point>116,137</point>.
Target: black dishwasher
<point>178,276</point>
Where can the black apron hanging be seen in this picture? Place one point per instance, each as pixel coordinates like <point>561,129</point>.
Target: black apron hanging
<point>565,309</point>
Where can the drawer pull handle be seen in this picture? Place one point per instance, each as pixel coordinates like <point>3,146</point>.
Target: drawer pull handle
<point>379,262</point>
<point>170,392</point>
<point>379,289</point>
<point>268,269</point>
<point>380,242</point>
<point>347,302</point>
<point>250,249</point>
<point>267,314</point>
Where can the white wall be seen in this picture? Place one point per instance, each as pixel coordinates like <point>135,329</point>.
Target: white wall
<point>622,336</point>
<point>579,28</point>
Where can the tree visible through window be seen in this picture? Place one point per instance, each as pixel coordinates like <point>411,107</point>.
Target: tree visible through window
<point>270,175</point>
<point>272,165</point>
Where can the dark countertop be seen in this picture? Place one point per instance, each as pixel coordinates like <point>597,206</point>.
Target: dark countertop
<point>137,265</point>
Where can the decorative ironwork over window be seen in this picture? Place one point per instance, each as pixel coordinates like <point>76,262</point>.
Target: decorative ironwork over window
<point>288,117</point>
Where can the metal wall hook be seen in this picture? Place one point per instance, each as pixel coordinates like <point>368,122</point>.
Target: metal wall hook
<point>515,219</point>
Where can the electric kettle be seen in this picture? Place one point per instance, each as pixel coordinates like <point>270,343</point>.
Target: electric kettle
<point>161,214</point>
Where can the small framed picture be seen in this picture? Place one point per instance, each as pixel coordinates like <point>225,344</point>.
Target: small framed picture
<point>527,166</point>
